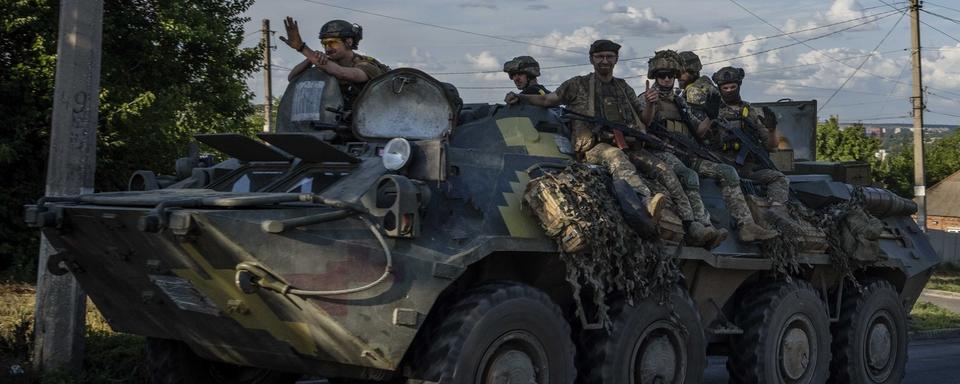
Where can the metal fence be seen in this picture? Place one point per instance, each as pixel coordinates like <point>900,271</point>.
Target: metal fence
<point>947,245</point>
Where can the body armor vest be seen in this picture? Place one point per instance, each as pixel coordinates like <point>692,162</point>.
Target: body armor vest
<point>669,113</point>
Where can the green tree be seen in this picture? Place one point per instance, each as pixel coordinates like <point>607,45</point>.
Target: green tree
<point>942,160</point>
<point>170,69</point>
<point>848,144</point>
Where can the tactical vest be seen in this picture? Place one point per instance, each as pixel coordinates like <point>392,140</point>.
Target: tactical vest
<point>668,112</point>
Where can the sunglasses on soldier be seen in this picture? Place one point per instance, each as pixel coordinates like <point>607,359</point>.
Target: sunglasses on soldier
<point>664,75</point>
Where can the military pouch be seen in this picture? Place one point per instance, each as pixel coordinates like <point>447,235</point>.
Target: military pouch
<point>548,200</point>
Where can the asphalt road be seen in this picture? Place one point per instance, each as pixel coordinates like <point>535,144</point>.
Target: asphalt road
<point>929,362</point>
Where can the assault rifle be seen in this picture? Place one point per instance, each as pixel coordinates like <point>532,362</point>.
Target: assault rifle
<point>620,131</point>
<point>688,144</point>
<point>748,144</point>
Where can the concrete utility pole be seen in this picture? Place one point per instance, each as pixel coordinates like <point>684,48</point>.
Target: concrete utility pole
<point>268,96</point>
<point>919,178</point>
<point>61,303</point>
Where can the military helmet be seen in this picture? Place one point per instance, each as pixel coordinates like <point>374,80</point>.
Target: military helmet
<point>728,75</point>
<point>342,29</point>
<point>690,62</point>
<point>522,64</point>
<point>667,60</point>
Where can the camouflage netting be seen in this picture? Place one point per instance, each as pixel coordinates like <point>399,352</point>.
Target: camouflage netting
<point>577,202</point>
<point>852,233</point>
<point>784,250</point>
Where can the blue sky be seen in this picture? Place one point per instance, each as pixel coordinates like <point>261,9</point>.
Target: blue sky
<point>790,49</point>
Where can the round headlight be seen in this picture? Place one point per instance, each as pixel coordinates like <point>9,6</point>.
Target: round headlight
<point>396,154</point>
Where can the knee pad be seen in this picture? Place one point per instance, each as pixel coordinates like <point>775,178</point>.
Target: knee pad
<point>729,175</point>
<point>689,178</point>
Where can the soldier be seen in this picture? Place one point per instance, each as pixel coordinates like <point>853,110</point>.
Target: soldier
<point>524,70</point>
<point>681,182</point>
<point>667,111</point>
<point>339,39</point>
<point>754,122</point>
<point>600,94</point>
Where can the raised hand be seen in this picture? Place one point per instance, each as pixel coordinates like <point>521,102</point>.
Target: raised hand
<point>511,98</point>
<point>651,95</point>
<point>293,34</point>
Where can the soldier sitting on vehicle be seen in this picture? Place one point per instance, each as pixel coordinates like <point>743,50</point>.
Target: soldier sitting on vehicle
<point>523,71</point>
<point>603,95</point>
<point>755,123</point>
<point>666,111</point>
<point>339,39</point>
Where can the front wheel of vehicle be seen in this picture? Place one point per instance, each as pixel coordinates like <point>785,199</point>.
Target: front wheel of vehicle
<point>650,343</point>
<point>870,340</point>
<point>502,333</point>
<point>786,336</point>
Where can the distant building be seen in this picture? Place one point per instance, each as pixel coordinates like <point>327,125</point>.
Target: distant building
<point>943,217</point>
<point>873,131</point>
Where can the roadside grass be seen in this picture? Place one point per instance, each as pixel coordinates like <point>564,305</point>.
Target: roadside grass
<point>928,316</point>
<point>945,278</point>
<point>110,357</point>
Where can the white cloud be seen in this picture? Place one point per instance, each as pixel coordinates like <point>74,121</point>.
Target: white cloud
<point>572,47</point>
<point>839,12</point>
<point>638,21</point>
<point>422,60</point>
<point>943,68</point>
<point>485,61</point>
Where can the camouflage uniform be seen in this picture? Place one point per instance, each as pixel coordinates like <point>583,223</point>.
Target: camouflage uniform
<point>370,66</point>
<point>615,101</point>
<point>535,89</point>
<point>778,187</point>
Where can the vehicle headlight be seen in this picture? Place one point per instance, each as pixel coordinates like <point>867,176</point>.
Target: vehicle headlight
<point>396,154</point>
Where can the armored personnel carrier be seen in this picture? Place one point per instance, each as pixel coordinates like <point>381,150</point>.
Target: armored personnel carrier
<point>396,248</point>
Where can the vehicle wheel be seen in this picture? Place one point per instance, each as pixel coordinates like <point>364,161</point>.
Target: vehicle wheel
<point>502,333</point>
<point>870,340</point>
<point>786,336</point>
<point>650,343</point>
<point>172,362</point>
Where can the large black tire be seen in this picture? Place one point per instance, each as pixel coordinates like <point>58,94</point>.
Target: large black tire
<point>650,343</point>
<point>870,340</point>
<point>172,362</point>
<point>786,336</point>
<point>505,330</point>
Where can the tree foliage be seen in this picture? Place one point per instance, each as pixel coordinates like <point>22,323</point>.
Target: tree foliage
<point>169,69</point>
<point>895,172</point>
<point>849,144</point>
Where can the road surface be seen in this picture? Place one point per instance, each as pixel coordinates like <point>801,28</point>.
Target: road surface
<point>930,361</point>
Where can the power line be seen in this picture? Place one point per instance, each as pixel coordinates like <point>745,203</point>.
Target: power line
<point>791,44</point>
<point>938,29</point>
<point>942,6</point>
<point>443,27</point>
<point>812,48</point>
<point>862,63</point>
<point>878,118</point>
<point>942,113</point>
<point>942,16</point>
<point>874,17</point>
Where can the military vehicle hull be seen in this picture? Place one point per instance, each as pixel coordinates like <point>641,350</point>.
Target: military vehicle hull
<point>317,259</point>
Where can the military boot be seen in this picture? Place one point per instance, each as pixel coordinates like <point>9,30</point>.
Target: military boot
<point>721,235</point>
<point>750,232</point>
<point>640,215</point>
<point>697,234</point>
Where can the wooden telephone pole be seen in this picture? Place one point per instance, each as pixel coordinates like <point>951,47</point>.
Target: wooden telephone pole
<point>919,178</point>
<point>61,303</point>
<point>267,80</point>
